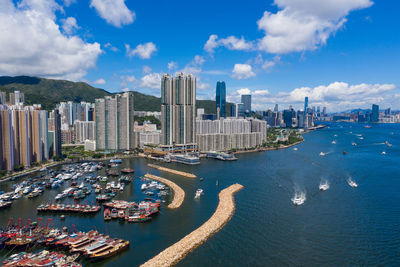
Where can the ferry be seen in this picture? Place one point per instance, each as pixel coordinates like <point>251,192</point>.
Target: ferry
<point>189,159</point>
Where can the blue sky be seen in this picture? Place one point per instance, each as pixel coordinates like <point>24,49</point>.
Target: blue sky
<point>340,53</point>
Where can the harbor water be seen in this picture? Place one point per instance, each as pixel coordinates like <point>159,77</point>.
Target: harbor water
<point>342,225</point>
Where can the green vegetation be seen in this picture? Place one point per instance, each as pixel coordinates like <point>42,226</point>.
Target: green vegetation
<point>18,167</point>
<point>3,172</point>
<point>49,92</point>
<point>151,119</point>
<point>279,136</point>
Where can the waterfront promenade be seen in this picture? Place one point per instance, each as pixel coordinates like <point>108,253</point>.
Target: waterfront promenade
<point>223,213</point>
<point>179,194</point>
<point>185,174</point>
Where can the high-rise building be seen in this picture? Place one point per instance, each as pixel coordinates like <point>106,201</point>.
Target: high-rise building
<point>17,98</point>
<point>246,100</point>
<point>84,130</point>
<point>375,113</point>
<point>115,122</point>
<point>305,104</point>
<point>324,111</point>
<point>178,109</point>
<point>220,100</point>
<point>276,108</point>
<point>2,98</point>
<point>57,134</point>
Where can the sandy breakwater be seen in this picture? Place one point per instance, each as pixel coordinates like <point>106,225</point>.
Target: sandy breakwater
<point>186,174</point>
<point>179,194</point>
<point>223,213</point>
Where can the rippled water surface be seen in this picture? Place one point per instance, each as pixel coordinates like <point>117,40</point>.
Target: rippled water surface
<point>339,226</point>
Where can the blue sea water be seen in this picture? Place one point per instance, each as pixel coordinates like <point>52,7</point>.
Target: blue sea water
<point>341,226</point>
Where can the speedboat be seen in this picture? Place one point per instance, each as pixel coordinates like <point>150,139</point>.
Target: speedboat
<point>295,149</point>
<point>199,192</point>
<point>388,144</point>
<point>383,153</point>
<point>323,186</point>
<point>322,154</point>
<point>333,142</point>
<point>299,198</point>
<point>352,183</point>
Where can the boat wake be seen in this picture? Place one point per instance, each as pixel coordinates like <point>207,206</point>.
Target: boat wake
<point>324,185</point>
<point>299,198</point>
<point>352,183</point>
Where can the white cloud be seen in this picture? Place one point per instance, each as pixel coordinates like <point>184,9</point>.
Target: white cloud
<point>111,47</point>
<point>69,25</point>
<point>144,51</point>
<point>146,69</point>
<point>68,2</point>
<point>302,25</point>
<point>31,43</point>
<point>337,96</point>
<point>172,65</point>
<point>151,80</point>
<point>231,43</point>
<point>125,79</point>
<point>194,66</point>
<point>115,12</point>
<point>267,65</point>
<point>242,71</point>
<point>100,81</point>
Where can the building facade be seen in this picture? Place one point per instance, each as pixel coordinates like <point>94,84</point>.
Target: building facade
<point>178,109</point>
<point>115,122</point>
<point>246,100</point>
<point>220,100</point>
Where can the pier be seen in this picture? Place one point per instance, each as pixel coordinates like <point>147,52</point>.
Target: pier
<point>185,174</point>
<point>223,213</point>
<point>179,194</point>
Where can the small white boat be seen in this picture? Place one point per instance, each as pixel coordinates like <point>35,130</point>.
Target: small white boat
<point>295,149</point>
<point>299,198</point>
<point>352,183</point>
<point>361,138</point>
<point>353,144</point>
<point>335,135</point>
<point>383,153</point>
<point>322,154</point>
<point>199,192</point>
<point>333,142</point>
<point>143,187</point>
<point>323,186</point>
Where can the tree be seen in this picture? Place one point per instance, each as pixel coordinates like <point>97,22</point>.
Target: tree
<point>18,167</point>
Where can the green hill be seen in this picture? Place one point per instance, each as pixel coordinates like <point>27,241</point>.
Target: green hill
<point>49,92</point>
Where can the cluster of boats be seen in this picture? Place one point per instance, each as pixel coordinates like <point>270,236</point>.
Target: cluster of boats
<point>42,258</point>
<point>83,209</point>
<point>92,244</point>
<point>150,188</point>
<point>131,211</point>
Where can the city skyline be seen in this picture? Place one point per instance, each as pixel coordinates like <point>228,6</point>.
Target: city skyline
<point>345,62</point>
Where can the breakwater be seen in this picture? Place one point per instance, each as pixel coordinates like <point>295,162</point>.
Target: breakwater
<point>223,213</point>
<point>179,194</point>
<point>185,174</point>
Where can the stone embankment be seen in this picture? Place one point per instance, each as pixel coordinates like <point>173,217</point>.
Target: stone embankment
<point>179,194</point>
<point>185,174</point>
<point>223,213</point>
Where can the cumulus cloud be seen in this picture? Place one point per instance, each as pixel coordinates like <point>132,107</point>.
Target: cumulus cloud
<point>69,25</point>
<point>100,81</point>
<point>31,43</point>
<point>111,47</point>
<point>337,96</point>
<point>172,65</point>
<point>194,66</point>
<point>302,25</point>
<point>144,51</point>
<point>68,2</point>
<point>146,69</point>
<point>115,12</point>
<point>151,80</point>
<point>242,71</point>
<point>267,65</point>
<point>231,43</point>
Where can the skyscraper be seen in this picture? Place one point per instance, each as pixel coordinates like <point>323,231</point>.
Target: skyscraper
<point>246,100</point>
<point>2,98</point>
<point>17,98</point>
<point>57,134</point>
<point>220,99</point>
<point>178,109</point>
<point>305,104</point>
<point>375,113</point>
<point>115,122</point>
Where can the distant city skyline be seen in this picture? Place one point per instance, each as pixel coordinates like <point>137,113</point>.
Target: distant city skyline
<point>343,60</point>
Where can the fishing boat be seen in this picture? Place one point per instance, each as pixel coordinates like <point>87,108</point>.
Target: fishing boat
<point>121,215</point>
<point>114,213</point>
<point>344,152</point>
<point>127,170</point>
<point>110,250</point>
<point>107,215</point>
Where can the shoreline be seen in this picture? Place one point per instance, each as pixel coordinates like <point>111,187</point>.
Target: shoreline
<point>223,213</point>
<point>179,194</point>
<point>165,169</point>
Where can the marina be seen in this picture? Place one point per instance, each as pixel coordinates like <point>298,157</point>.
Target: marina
<point>179,194</point>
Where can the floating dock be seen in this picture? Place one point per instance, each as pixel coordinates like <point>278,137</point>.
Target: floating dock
<point>185,174</point>
<point>179,194</point>
<point>223,213</point>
